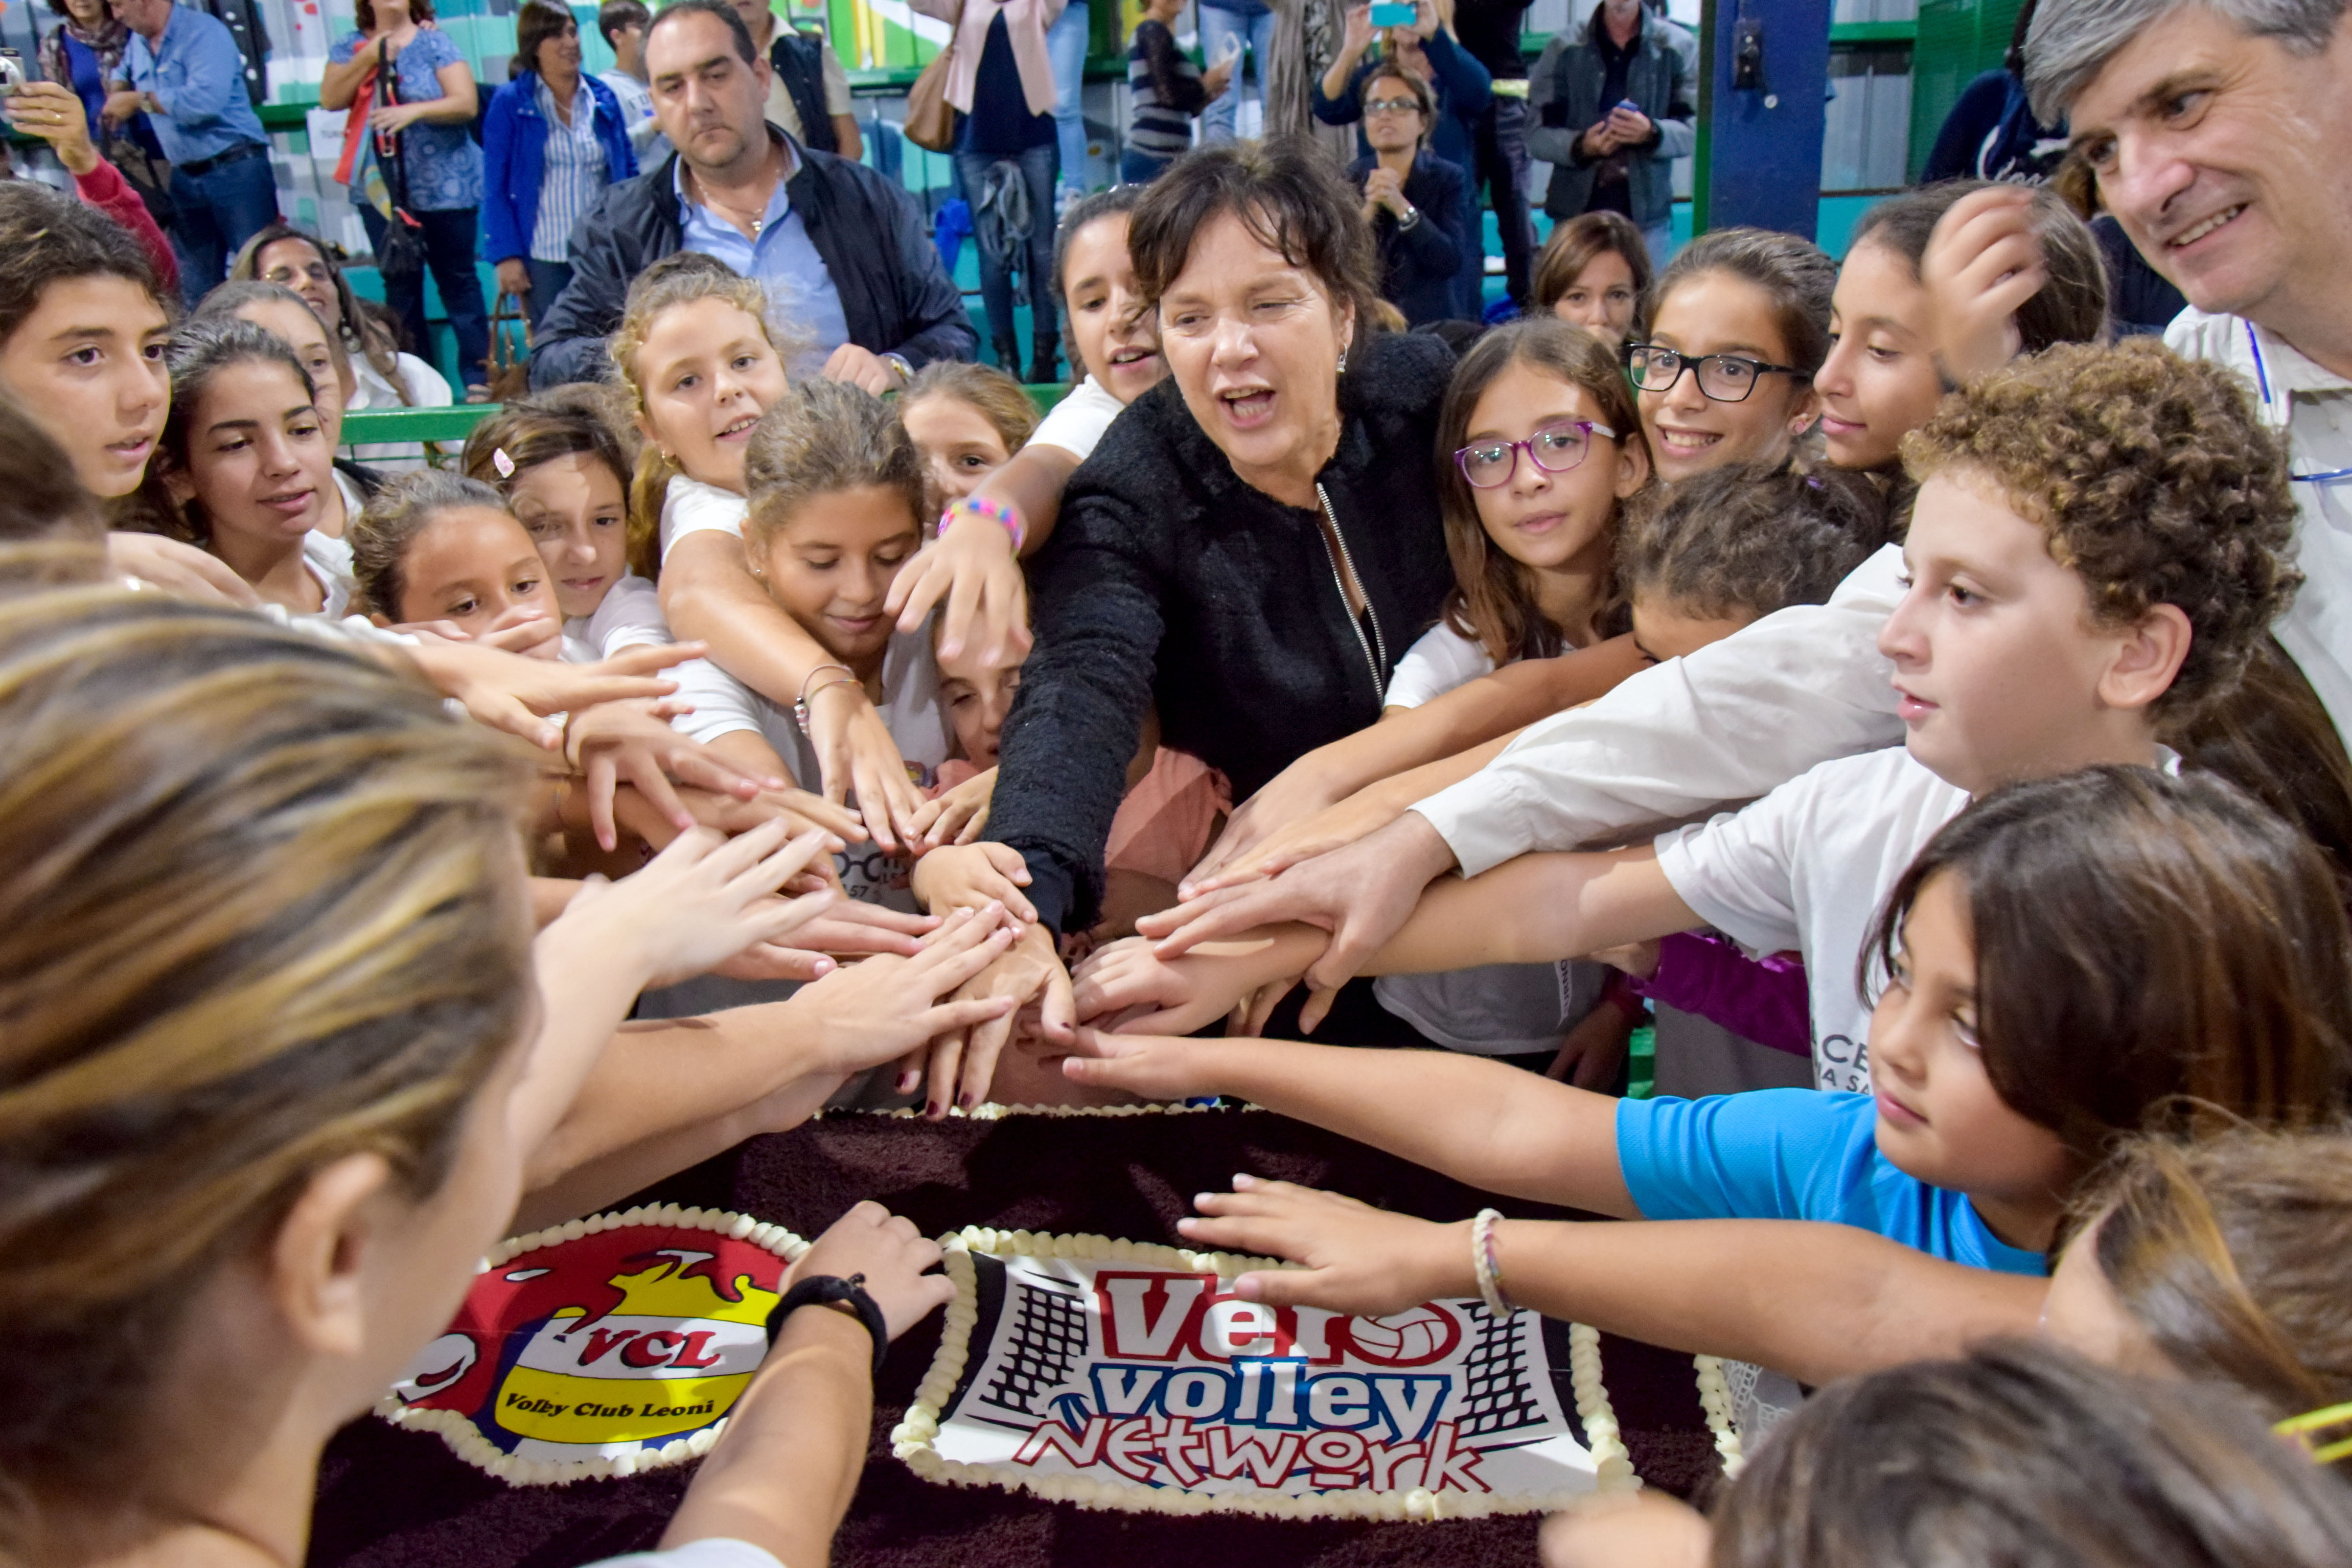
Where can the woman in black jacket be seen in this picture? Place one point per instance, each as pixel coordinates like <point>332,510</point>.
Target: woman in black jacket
<point>1250,548</point>
<point>1418,204</point>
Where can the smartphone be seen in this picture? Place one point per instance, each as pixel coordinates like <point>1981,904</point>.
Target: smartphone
<point>11,73</point>
<point>1394,13</point>
<point>1629,103</point>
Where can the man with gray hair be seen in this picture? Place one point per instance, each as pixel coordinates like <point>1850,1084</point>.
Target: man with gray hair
<point>2220,131</point>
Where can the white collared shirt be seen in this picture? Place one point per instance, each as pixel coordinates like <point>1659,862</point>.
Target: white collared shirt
<point>2314,405</point>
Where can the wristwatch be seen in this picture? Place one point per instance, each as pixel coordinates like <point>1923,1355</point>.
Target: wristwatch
<point>897,361</point>
<point>1411,217</point>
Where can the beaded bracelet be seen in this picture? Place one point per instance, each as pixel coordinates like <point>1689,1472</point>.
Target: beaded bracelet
<point>1482,1258</point>
<point>995,511</point>
<point>800,708</point>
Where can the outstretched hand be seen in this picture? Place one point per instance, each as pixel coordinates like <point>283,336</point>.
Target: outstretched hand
<point>892,1254</point>
<point>1354,1258</point>
<point>888,1008</point>
<point>971,567</point>
<point>615,741</point>
<point>506,691</point>
<point>1029,971</point>
<point>701,902</point>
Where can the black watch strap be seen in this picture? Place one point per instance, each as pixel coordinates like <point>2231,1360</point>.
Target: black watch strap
<point>823,1290</point>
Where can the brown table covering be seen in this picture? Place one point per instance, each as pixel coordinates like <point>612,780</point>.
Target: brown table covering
<point>391,1497</point>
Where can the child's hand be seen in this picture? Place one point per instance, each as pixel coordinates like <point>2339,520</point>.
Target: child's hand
<point>516,695</point>
<point>1297,792</point>
<point>966,876</point>
<point>1334,827</point>
<point>958,814</point>
<point>963,1067</point>
<point>847,929</point>
<point>618,741</point>
<point>888,1008</point>
<point>698,902</point>
<point>1359,1259</point>
<point>856,756</point>
<point>1142,993</point>
<point>892,1254</point>
<point>1594,1052</point>
<point>1983,261</point>
<point>973,567</point>
<point>1150,1067</point>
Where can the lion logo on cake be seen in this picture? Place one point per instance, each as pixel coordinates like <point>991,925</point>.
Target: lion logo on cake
<point>601,1353</point>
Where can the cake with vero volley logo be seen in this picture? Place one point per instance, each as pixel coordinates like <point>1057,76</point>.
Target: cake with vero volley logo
<point>602,1347</point>
<point>1118,1375</point>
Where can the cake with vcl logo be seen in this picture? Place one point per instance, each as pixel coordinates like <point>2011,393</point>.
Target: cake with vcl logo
<point>1125,1376</point>
<point>602,1347</point>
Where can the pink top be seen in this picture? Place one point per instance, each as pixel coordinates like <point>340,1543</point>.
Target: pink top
<point>1026,22</point>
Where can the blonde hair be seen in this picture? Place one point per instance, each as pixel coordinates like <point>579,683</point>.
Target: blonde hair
<point>820,438</point>
<point>265,909</point>
<point>677,279</point>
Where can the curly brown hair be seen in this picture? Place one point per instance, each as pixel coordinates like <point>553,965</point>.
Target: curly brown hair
<point>2154,481</point>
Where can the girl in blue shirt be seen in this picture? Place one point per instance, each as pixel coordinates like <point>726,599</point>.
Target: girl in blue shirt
<point>2067,962</point>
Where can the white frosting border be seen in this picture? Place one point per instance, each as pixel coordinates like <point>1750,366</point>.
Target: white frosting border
<point>466,1440</point>
<point>1715,1398</point>
<point>990,1110</point>
<point>912,1440</point>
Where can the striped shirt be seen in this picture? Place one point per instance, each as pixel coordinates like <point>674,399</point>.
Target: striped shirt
<point>1166,92</point>
<point>574,173</point>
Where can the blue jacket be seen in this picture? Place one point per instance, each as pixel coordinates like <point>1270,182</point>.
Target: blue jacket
<point>514,160</point>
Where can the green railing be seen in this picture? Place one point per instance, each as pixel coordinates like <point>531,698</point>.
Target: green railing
<point>450,427</point>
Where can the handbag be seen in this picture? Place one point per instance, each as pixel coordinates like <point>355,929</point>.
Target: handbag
<point>508,365</point>
<point>400,254</point>
<point>930,117</point>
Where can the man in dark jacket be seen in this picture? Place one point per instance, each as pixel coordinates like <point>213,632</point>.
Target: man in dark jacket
<point>1606,155</point>
<point>843,252</point>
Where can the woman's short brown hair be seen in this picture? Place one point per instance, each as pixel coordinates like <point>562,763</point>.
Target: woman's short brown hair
<point>1287,193</point>
<point>2154,481</point>
<point>1572,249</point>
<point>538,21</point>
<point>2150,952</point>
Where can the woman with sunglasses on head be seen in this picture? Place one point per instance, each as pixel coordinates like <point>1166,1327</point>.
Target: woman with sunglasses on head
<point>1418,204</point>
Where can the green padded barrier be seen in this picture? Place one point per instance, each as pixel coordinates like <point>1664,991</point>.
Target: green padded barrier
<point>450,427</point>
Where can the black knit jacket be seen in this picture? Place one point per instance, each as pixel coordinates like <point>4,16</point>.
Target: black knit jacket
<point>1170,581</point>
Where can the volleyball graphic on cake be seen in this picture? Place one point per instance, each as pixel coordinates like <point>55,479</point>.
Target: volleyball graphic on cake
<point>602,1347</point>
<point>1118,1375</point>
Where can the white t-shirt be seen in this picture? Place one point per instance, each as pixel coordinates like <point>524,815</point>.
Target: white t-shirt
<point>716,1553</point>
<point>1493,1009</point>
<point>1443,660</point>
<point>1806,868</point>
<point>330,564</point>
<point>910,709</point>
<point>1076,422</point>
<point>630,616</point>
<point>426,389</point>
<point>692,507</point>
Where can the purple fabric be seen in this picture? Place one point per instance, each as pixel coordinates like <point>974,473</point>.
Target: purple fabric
<point>393,1498</point>
<point>1763,1000</point>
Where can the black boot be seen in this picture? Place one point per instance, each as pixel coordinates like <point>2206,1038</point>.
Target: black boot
<point>1008,355</point>
<point>1042,361</point>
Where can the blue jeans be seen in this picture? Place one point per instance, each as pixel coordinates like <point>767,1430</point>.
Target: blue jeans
<point>449,250</point>
<point>1503,167</point>
<point>1141,168</point>
<point>996,280</point>
<point>1066,47</point>
<point>1216,27</point>
<point>215,214</point>
<point>548,279</point>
